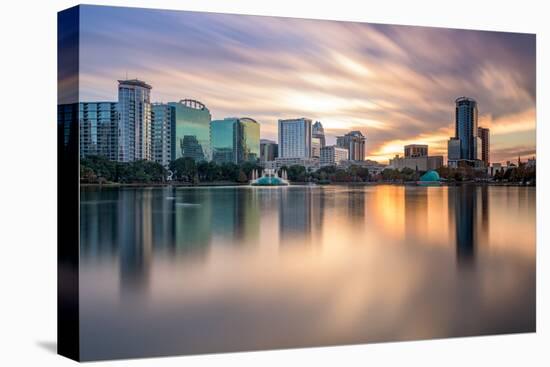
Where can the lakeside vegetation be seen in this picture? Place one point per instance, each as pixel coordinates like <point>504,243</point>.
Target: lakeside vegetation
<point>100,170</point>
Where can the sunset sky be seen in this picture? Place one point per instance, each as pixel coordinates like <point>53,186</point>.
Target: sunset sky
<point>397,84</point>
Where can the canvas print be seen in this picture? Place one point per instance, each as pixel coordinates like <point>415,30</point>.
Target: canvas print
<point>234,182</point>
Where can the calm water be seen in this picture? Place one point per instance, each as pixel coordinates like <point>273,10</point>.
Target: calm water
<point>195,270</point>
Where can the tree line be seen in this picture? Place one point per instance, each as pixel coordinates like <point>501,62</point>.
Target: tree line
<point>519,174</point>
<point>327,174</point>
<point>99,169</point>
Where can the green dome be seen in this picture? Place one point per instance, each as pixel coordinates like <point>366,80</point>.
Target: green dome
<point>430,176</point>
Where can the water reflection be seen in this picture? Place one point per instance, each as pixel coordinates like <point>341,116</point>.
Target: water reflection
<point>464,202</point>
<point>300,215</point>
<point>301,266</point>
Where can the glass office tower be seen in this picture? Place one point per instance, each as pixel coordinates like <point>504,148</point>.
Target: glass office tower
<point>269,150</point>
<point>163,122</point>
<point>98,129</point>
<point>191,135</point>
<point>247,140</point>
<point>466,128</point>
<point>235,140</point>
<point>222,132</point>
<point>134,109</point>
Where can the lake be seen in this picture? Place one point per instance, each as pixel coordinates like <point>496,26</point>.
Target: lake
<point>217,269</point>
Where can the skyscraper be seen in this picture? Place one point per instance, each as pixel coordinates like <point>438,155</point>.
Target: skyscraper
<point>235,140</point>
<point>98,129</point>
<point>466,128</point>
<point>191,135</point>
<point>316,146</point>
<point>269,150</point>
<point>453,149</point>
<point>295,138</point>
<point>247,140</point>
<point>354,142</point>
<point>483,134</point>
<point>222,140</point>
<point>134,110</point>
<point>317,131</point>
<point>163,123</point>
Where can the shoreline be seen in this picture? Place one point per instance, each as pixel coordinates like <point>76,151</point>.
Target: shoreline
<point>236,184</point>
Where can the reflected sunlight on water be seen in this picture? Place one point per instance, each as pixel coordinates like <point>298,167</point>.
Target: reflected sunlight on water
<point>195,270</point>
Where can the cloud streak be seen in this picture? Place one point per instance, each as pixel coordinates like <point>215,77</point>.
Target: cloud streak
<point>395,83</point>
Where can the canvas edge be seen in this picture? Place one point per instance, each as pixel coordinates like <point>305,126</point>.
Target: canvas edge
<point>68,241</point>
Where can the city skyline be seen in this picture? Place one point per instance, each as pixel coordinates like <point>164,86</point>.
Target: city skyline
<point>397,84</point>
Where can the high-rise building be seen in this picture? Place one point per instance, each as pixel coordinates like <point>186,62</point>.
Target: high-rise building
<point>466,113</point>
<point>453,149</point>
<point>295,138</point>
<point>269,150</point>
<point>483,134</point>
<point>235,140</point>
<point>191,136</point>
<point>354,142</point>
<point>416,150</point>
<point>67,125</point>
<point>163,123</point>
<point>134,109</point>
<point>222,140</point>
<point>247,140</point>
<point>333,155</point>
<point>317,131</point>
<point>316,146</point>
<point>98,129</point>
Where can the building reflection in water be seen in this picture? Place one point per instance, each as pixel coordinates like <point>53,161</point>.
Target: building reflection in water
<point>356,205</point>
<point>483,227</point>
<point>137,224</point>
<point>246,211</point>
<point>301,211</point>
<point>471,217</point>
<point>135,239</point>
<point>415,203</point>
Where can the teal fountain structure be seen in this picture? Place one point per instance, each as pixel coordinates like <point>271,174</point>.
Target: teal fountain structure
<point>430,178</point>
<point>269,178</point>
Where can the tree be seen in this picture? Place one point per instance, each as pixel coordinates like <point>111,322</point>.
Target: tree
<point>202,170</point>
<point>229,171</point>
<point>184,169</point>
<point>297,173</point>
<point>443,171</point>
<point>101,166</point>
<point>242,176</point>
<point>87,174</point>
<point>363,173</point>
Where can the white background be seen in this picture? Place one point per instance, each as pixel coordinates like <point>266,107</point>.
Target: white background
<point>28,182</point>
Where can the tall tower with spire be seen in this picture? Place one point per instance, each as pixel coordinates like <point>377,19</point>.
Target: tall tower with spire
<point>317,131</point>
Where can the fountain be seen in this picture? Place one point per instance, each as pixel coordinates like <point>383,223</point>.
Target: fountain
<point>269,178</point>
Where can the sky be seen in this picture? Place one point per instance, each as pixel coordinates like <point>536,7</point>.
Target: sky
<point>396,84</point>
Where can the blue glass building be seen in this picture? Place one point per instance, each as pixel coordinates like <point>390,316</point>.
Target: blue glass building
<point>466,128</point>
<point>163,123</point>
<point>235,140</point>
<point>98,129</point>
<point>191,134</point>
